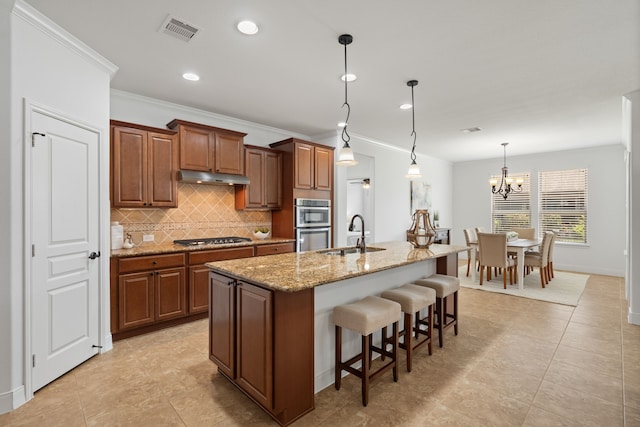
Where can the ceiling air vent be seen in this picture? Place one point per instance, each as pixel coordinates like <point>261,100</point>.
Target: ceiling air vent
<point>178,28</point>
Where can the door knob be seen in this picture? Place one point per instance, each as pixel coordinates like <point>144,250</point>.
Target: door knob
<point>94,255</point>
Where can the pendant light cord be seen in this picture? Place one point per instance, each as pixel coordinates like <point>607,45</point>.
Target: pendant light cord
<point>413,121</point>
<point>345,135</point>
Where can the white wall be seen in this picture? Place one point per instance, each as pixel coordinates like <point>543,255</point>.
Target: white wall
<point>604,252</point>
<point>632,139</point>
<point>55,71</point>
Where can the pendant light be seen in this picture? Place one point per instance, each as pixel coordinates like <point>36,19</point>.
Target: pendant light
<point>414,170</point>
<point>346,157</point>
<point>506,186</point>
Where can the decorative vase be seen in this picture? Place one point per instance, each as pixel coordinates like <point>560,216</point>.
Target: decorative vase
<point>422,233</point>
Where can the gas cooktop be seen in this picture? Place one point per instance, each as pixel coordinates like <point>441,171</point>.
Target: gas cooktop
<point>211,241</point>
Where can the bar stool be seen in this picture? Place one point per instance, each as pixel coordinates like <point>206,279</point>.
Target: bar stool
<point>444,286</point>
<point>365,317</point>
<point>412,299</point>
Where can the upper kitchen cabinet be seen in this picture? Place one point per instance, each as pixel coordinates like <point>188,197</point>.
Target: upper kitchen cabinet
<point>264,169</point>
<point>312,164</point>
<point>209,149</point>
<point>144,162</point>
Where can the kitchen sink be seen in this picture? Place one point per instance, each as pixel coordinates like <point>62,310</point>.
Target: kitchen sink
<point>348,250</point>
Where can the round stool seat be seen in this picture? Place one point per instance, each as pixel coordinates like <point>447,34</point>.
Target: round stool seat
<point>412,298</point>
<point>443,285</point>
<point>367,315</point>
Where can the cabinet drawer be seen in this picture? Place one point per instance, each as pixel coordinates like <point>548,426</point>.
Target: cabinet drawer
<point>200,257</point>
<point>152,262</point>
<point>276,248</point>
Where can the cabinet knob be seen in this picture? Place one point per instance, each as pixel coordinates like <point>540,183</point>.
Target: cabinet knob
<point>154,262</point>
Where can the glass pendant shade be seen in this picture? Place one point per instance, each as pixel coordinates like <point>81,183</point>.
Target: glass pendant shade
<point>346,157</point>
<point>414,171</point>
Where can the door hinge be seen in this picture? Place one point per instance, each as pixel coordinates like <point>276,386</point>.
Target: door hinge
<point>33,137</point>
<point>33,250</point>
<point>33,361</point>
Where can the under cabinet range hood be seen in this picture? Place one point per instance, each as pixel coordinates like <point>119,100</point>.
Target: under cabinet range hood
<point>196,177</point>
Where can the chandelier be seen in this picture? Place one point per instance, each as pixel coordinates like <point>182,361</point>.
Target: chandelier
<point>414,170</point>
<point>505,182</point>
<point>346,157</point>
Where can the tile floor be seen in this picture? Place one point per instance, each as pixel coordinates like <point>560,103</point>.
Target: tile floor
<point>516,362</point>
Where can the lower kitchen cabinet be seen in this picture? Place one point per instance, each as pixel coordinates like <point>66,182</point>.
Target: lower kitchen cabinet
<point>258,337</point>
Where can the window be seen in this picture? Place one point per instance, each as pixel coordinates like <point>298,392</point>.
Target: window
<point>563,204</point>
<point>515,210</point>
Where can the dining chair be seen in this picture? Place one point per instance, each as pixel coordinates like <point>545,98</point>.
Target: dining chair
<point>540,259</point>
<point>549,257</point>
<point>525,233</point>
<point>493,253</point>
<point>471,237</point>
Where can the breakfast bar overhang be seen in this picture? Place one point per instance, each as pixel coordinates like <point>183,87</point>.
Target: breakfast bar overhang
<point>270,318</point>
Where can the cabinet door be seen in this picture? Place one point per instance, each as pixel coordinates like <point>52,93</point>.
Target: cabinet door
<point>170,293</point>
<point>323,174</point>
<point>196,149</point>
<point>162,183</point>
<point>273,180</point>
<point>228,154</point>
<point>254,350</point>
<point>254,191</point>
<point>135,300</point>
<point>222,324</point>
<point>303,168</point>
<point>198,288</point>
<point>129,167</point>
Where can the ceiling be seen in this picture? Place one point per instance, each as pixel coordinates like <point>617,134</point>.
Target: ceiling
<point>542,75</point>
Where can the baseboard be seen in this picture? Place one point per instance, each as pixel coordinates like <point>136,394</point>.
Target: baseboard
<point>633,318</point>
<point>12,400</point>
<point>107,343</point>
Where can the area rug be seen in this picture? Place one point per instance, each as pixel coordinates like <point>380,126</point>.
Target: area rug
<point>565,288</point>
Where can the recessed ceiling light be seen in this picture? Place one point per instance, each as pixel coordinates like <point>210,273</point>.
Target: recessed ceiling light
<point>191,76</point>
<point>248,27</point>
<point>406,106</point>
<point>470,130</point>
<point>350,77</point>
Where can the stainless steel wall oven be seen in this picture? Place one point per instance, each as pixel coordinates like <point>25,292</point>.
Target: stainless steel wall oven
<point>313,224</point>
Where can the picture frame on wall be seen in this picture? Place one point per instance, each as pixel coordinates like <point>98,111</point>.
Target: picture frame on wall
<point>420,196</point>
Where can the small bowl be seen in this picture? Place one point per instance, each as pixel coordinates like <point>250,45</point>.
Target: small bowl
<point>260,235</point>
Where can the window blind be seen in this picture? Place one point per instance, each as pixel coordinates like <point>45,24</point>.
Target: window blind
<point>563,204</point>
<point>515,210</point>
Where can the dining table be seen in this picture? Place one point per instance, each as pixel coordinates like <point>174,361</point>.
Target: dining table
<point>519,246</point>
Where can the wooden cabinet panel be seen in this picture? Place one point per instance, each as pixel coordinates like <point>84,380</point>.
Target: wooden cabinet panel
<point>198,289</point>
<point>200,257</point>
<point>304,165</point>
<point>143,166</point>
<point>273,180</point>
<point>275,248</point>
<point>209,149</point>
<point>323,168</point>
<point>254,352</point>
<point>170,293</point>
<point>136,296</point>
<point>222,323</point>
<point>129,167</point>
<point>128,265</point>
<point>264,169</point>
<point>196,149</point>
<point>229,154</point>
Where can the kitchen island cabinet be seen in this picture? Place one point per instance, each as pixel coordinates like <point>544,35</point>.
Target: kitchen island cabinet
<point>209,149</point>
<point>299,290</point>
<point>143,166</point>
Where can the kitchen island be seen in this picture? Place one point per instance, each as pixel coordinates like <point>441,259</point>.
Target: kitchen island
<point>271,332</point>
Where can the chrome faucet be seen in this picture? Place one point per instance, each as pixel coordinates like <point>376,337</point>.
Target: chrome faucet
<point>360,243</point>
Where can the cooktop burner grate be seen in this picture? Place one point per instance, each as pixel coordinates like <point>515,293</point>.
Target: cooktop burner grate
<point>211,241</point>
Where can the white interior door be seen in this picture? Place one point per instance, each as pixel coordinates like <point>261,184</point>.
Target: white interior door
<point>64,234</point>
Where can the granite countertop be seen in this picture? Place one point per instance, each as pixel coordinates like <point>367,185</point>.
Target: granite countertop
<point>302,270</point>
<point>168,248</point>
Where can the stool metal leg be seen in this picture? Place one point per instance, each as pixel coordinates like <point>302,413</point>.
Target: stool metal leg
<point>338,367</point>
<point>395,350</point>
<point>407,339</point>
<point>366,360</point>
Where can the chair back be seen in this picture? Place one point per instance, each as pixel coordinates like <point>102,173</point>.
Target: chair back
<point>470,236</point>
<point>480,230</point>
<point>551,245</point>
<point>547,240</point>
<point>525,233</point>
<point>493,249</point>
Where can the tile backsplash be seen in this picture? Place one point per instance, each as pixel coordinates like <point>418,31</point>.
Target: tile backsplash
<point>203,211</point>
